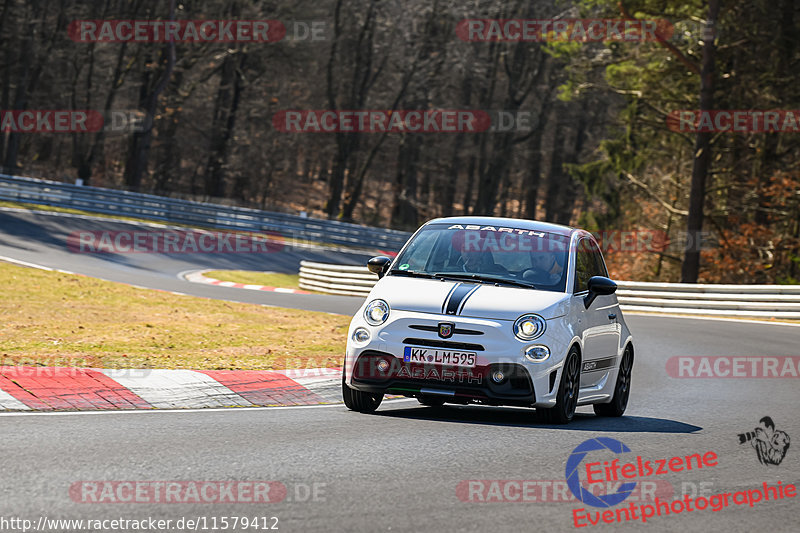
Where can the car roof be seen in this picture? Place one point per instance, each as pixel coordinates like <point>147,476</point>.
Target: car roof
<point>517,223</point>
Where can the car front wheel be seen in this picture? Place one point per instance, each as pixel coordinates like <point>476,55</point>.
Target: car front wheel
<point>622,389</point>
<point>356,400</point>
<point>567,396</point>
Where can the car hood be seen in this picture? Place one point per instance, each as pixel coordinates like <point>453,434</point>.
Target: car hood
<point>468,299</point>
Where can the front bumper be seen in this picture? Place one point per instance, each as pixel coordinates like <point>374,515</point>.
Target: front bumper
<point>456,385</point>
<point>526,383</point>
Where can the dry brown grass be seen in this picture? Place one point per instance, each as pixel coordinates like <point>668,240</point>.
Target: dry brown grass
<point>55,319</point>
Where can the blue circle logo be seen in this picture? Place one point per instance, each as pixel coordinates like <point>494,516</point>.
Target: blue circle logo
<point>574,482</point>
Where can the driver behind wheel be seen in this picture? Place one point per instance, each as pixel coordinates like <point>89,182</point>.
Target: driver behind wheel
<point>474,258</point>
<point>545,269</point>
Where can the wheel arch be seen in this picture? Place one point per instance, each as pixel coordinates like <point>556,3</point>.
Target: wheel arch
<point>629,344</point>
<point>576,344</point>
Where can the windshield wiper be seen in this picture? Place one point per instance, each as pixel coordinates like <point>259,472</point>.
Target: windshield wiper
<point>487,279</point>
<point>410,273</point>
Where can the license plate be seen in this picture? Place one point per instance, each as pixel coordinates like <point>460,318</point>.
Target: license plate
<point>437,356</point>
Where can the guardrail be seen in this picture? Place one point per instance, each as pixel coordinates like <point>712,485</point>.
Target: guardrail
<point>336,279</point>
<point>173,210</point>
<point>748,301</point>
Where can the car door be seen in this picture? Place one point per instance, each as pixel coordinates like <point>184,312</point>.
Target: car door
<point>601,328</point>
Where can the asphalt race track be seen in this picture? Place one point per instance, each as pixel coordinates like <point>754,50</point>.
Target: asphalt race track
<point>404,468</point>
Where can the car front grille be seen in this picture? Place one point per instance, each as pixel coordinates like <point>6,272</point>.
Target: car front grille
<point>435,329</point>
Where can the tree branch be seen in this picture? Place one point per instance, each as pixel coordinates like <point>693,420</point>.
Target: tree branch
<point>646,188</point>
<point>691,65</point>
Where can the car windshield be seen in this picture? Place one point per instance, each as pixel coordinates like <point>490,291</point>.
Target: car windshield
<point>493,254</point>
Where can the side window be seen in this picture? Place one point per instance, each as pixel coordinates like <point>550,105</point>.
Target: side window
<point>584,265</point>
<point>419,251</point>
<point>598,265</point>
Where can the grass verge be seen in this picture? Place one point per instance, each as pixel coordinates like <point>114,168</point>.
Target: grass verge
<point>54,319</point>
<point>252,277</point>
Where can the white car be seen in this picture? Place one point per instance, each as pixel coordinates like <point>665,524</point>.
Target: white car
<point>495,311</point>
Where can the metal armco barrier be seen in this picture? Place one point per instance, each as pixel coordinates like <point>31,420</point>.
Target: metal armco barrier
<point>747,301</point>
<point>160,208</point>
<point>751,301</point>
<point>336,279</point>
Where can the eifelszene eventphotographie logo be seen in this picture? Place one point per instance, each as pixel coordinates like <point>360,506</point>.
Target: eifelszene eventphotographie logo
<point>574,481</point>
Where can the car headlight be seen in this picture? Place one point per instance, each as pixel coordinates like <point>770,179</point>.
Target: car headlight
<point>529,327</point>
<point>376,312</point>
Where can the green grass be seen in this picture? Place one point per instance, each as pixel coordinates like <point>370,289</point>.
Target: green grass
<point>251,277</point>
<point>54,319</point>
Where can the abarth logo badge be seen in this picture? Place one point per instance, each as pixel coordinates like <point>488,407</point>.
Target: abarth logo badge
<point>446,330</point>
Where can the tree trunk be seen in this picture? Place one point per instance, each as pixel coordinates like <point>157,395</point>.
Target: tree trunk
<point>690,269</point>
<point>466,208</point>
<point>225,107</point>
<point>139,153</point>
<point>531,183</point>
<point>555,174</point>
<point>405,214</point>
<point>361,80</point>
<point>5,96</point>
<point>26,58</point>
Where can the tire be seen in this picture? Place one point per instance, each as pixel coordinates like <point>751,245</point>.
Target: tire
<point>622,389</point>
<point>356,400</point>
<point>431,401</point>
<point>568,388</point>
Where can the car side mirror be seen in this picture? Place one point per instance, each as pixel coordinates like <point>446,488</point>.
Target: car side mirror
<point>379,265</point>
<point>599,286</point>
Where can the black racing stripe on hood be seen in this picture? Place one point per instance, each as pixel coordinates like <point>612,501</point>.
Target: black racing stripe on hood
<point>464,300</point>
<point>457,296</point>
<point>447,298</point>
